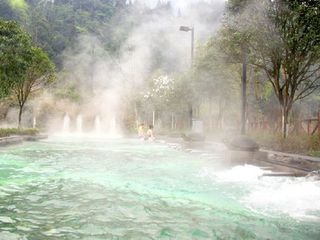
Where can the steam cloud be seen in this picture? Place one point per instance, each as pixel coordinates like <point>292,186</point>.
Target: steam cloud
<point>106,82</point>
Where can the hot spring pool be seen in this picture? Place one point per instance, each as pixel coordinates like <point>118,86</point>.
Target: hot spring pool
<point>127,189</point>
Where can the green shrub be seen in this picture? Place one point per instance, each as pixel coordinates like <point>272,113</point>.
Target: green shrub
<point>301,144</point>
<point>5,132</point>
<point>29,131</point>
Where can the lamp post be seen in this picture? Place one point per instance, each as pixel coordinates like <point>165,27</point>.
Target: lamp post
<point>190,29</point>
<point>92,63</point>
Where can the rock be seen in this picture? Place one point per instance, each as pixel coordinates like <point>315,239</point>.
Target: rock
<point>35,137</point>
<point>243,143</point>
<point>315,174</point>
<point>10,140</point>
<point>193,137</point>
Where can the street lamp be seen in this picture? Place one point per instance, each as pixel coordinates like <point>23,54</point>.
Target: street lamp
<point>190,29</point>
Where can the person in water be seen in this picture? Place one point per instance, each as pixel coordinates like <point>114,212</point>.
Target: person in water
<point>141,131</point>
<point>150,135</point>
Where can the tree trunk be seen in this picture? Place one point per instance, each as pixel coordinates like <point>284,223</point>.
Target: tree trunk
<point>136,114</point>
<point>284,121</point>
<point>297,122</point>
<point>190,115</point>
<point>319,122</point>
<point>34,123</point>
<point>210,115</point>
<point>20,116</point>
<point>172,121</point>
<point>221,113</point>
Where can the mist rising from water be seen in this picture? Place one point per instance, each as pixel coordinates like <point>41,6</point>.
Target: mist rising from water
<point>107,83</point>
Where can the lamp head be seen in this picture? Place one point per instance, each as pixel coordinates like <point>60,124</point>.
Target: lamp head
<point>185,28</point>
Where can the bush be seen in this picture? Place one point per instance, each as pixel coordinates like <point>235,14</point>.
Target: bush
<point>29,131</point>
<point>301,144</point>
<point>6,132</point>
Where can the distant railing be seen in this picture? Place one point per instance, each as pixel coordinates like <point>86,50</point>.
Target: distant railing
<point>310,126</point>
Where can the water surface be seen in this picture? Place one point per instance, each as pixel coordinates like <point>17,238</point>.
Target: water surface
<point>67,188</point>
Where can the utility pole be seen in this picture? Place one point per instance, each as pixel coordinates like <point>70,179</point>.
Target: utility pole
<point>92,68</point>
<point>192,46</point>
<point>244,93</point>
<point>190,29</point>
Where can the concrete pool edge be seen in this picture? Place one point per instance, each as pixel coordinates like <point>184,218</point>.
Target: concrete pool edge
<point>307,164</point>
<point>10,140</point>
<point>5,141</point>
<point>283,164</point>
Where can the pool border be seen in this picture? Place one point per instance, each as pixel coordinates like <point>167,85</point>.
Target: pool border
<point>5,141</point>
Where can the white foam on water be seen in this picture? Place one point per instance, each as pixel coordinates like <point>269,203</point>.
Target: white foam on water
<point>89,135</point>
<point>241,173</point>
<point>298,198</point>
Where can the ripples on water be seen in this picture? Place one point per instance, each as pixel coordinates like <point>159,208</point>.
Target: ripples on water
<point>127,189</point>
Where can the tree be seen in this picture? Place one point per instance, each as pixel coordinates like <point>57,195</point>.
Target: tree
<point>15,55</point>
<point>158,94</point>
<point>55,25</point>
<point>237,36</point>
<point>39,73</point>
<point>183,96</point>
<point>215,79</point>
<point>290,58</point>
<point>6,11</point>
<point>283,41</point>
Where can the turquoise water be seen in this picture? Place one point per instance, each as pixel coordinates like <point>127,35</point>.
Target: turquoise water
<point>127,189</point>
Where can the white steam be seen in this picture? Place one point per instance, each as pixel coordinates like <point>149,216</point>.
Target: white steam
<point>107,81</point>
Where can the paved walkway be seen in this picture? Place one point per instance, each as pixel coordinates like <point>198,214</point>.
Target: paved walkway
<point>295,156</point>
<point>282,164</point>
<point>10,140</point>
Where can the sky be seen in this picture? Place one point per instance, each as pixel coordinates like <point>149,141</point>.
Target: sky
<point>178,3</point>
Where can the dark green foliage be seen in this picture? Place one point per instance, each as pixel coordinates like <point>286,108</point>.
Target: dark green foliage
<point>6,11</point>
<point>15,55</point>
<point>69,91</point>
<point>24,68</point>
<point>55,27</point>
<point>237,6</point>
<point>38,75</point>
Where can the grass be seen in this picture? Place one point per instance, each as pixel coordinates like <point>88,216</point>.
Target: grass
<point>6,132</point>
<point>299,144</point>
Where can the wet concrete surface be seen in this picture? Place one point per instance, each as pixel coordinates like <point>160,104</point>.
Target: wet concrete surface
<point>5,141</point>
<point>281,164</point>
